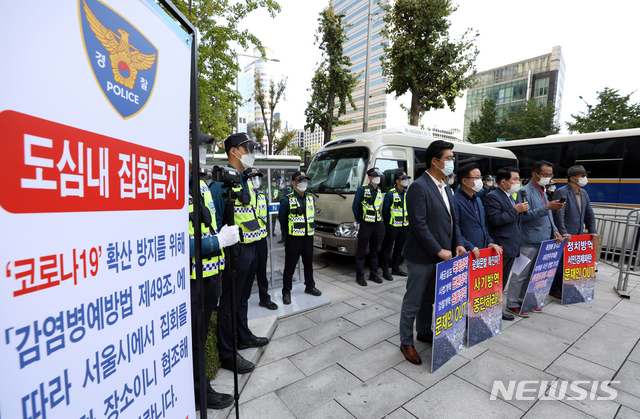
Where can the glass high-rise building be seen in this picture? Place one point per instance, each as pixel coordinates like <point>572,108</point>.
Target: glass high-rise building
<point>249,113</point>
<point>357,14</point>
<point>510,86</point>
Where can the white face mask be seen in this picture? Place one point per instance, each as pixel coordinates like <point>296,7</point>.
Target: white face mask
<point>256,182</point>
<point>544,181</point>
<point>490,184</point>
<point>551,188</point>
<point>513,188</point>
<point>375,180</point>
<point>404,182</point>
<point>477,185</point>
<point>302,186</point>
<point>247,160</point>
<point>582,182</point>
<point>448,168</point>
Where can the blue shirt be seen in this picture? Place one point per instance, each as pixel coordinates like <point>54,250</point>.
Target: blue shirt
<point>473,200</point>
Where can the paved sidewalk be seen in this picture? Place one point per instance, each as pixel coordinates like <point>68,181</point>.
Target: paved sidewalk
<point>343,360</point>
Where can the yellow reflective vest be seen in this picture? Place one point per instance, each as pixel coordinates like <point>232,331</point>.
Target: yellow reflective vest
<point>214,264</point>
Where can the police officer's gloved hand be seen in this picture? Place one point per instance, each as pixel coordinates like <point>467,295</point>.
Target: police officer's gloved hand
<point>228,235</point>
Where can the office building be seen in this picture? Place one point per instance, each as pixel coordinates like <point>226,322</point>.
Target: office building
<point>510,86</point>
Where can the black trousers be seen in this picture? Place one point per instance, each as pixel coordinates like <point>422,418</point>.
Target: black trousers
<point>294,247</point>
<point>394,237</point>
<point>209,285</point>
<point>556,285</point>
<point>368,235</point>
<point>245,263</point>
<point>261,271</point>
<point>507,264</point>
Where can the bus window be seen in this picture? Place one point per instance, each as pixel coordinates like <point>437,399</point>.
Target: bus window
<point>482,161</point>
<point>498,163</point>
<point>567,154</point>
<point>631,164</point>
<point>338,170</point>
<point>419,162</point>
<point>389,169</point>
<point>528,155</point>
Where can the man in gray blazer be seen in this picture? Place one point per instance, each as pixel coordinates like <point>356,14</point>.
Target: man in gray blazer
<point>537,226</point>
<point>434,236</point>
<point>577,213</point>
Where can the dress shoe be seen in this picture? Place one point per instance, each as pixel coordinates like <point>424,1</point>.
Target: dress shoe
<point>507,316</point>
<point>398,272</point>
<point>537,310</point>
<point>375,278</point>
<point>313,291</point>
<point>269,305</point>
<point>244,366</point>
<point>386,275</point>
<point>516,311</point>
<point>281,241</point>
<point>253,342</point>
<point>216,400</point>
<point>286,299</point>
<point>425,338</point>
<point>410,353</point>
<point>361,282</point>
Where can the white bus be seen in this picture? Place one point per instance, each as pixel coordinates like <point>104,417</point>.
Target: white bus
<point>339,168</point>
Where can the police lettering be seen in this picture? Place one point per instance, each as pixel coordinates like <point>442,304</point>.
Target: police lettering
<point>122,92</point>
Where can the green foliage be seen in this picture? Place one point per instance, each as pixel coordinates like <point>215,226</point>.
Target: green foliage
<point>269,100</point>
<point>211,354</point>
<point>283,142</point>
<point>612,112</point>
<point>529,121</point>
<point>258,132</point>
<point>297,151</point>
<point>217,23</point>
<point>420,57</point>
<point>332,82</point>
<point>487,128</point>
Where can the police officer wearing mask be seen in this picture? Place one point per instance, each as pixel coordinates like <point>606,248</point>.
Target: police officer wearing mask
<point>239,148</point>
<point>296,216</point>
<point>254,180</point>
<point>366,208</point>
<point>394,212</point>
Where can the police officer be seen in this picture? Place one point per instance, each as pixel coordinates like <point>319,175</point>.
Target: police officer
<point>212,261</point>
<point>296,216</point>
<point>239,148</point>
<point>366,210</point>
<point>254,180</point>
<point>394,213</point>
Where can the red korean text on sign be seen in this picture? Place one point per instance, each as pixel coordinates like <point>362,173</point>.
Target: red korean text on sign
<point>49,167</point>
<point>485,279</point>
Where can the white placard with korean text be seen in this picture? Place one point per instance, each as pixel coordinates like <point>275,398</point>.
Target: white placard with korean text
<point>94,295</point>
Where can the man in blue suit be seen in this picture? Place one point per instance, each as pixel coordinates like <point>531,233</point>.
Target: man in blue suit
<point>576,214</point>
<point>434,236</point>
<point>537,226</point>
<point>503,220</point>
<point>469,212</point>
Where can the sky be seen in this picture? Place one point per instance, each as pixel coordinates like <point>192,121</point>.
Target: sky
<point>599,44</point>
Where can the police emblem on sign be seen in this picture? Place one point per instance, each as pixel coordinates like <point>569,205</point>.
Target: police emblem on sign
<point>123,60</point>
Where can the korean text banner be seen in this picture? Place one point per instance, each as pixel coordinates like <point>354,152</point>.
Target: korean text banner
<point>450,306</point>
<point>578,284</point>
<point>94,301</point>
<point>547,262</point>
<point>485,296</point>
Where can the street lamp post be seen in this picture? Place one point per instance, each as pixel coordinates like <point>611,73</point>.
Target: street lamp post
<point>588,106</point>
<point>238,77</point>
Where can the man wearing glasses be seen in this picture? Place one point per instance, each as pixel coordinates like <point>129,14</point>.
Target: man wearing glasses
<point>537,226</point>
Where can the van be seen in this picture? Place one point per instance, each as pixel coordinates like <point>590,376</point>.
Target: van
<point>339,168</point>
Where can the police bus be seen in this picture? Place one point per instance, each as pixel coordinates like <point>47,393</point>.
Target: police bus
<point>339,168</point>
<point>612,157</point>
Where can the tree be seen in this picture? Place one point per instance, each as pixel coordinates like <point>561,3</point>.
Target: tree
<point>285,140</point>
<point>217,23</point>
<point>332,81</point>
<point>269,101</point>
<point>529,121</point>
<point>486,128</point>
<point>612,112</point>
<point>258,132</point>
<point>421,59</point>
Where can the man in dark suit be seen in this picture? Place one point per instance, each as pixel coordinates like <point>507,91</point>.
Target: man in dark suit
<point>469,212</point>
<point>434,236</point>
<point>574,216</point>
<point>503,219</point>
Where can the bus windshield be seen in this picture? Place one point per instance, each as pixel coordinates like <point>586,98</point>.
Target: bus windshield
<point>338,170</point>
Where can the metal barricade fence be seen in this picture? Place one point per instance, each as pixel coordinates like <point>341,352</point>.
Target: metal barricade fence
<point>619,228</point>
